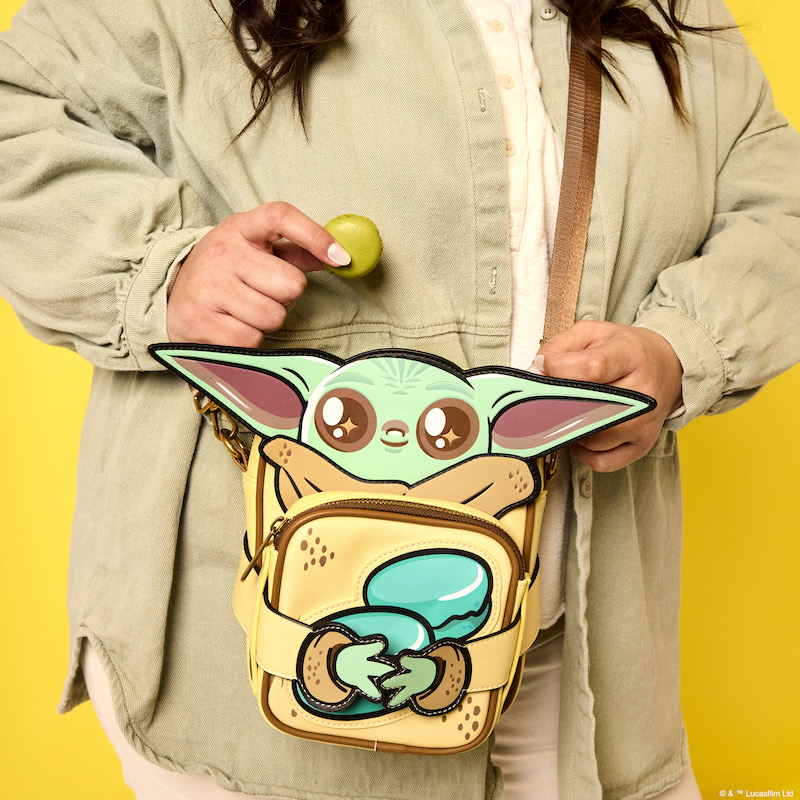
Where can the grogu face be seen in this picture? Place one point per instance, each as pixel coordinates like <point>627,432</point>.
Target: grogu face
<point>398,415</point>
<point>394,418</point>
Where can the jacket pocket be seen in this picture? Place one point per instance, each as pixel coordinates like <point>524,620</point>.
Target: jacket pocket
<point>665,444</point>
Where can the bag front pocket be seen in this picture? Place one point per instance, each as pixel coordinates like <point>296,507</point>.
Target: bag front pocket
<point>398,620</point>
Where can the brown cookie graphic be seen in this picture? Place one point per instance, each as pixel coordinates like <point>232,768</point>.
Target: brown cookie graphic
<point>453,673</point>
<point>316,673</point>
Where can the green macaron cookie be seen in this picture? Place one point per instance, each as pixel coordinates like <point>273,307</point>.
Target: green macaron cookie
<point>360,237</point>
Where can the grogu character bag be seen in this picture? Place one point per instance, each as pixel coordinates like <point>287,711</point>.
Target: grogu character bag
<point>388,580</point>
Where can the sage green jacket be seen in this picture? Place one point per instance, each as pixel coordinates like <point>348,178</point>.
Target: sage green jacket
<point>116,120</point>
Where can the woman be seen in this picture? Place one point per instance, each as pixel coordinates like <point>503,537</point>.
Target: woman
<point>390,112</point>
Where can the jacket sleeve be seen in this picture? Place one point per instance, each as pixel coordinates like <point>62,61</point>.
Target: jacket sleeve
<point>93,220</point>
<point>732,312</point>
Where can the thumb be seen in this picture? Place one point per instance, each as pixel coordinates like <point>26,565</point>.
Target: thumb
<point>575,339</point>
<point>601,362</point>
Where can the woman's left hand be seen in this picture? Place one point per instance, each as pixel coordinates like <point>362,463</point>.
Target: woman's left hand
<point>624,356</point>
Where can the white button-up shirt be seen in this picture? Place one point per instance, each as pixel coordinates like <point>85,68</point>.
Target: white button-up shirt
<point>534,181</point>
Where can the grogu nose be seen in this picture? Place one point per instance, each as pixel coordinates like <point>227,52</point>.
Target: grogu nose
<point>395,430</point>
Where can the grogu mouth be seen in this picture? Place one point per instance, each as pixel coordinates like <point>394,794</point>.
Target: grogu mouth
<point>395,431</point>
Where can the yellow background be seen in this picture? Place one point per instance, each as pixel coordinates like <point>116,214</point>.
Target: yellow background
<point>740,613</point>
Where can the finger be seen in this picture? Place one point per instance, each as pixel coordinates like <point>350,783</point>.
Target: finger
<point>253,308</point>
<point>297,256</point>
<point>227,331</point>
<point>372,649</point>
<point>266,224</point>
<point>607,440</point>
<point>606,362</point>
<point>608,460</point>
<point>404,691</point>
<point>579,336</point>
<point>273,277</point>
<point>641,431</point>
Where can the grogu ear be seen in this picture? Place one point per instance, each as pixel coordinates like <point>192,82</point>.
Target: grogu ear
<point>267,391</point>
<point>531,415</point>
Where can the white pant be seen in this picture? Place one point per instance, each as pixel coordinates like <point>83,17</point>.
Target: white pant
<point>525,740</point>
<point>526,736</point>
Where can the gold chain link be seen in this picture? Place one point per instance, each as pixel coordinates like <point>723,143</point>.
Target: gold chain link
<point>226,428</point>
<point>550,466</point>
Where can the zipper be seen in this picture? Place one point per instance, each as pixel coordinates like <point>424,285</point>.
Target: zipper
<point>280,527</point>
<point>277,524</point>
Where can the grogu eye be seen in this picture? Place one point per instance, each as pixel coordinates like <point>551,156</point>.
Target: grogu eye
<point>447,428</point>
<point>345,420</point>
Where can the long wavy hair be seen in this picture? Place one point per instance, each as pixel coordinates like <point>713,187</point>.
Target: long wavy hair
<point>278,40</point>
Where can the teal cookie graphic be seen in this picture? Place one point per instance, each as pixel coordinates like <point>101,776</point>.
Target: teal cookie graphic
<point>404,646</point>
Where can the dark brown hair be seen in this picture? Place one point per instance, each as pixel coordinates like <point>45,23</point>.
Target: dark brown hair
<point>631,24</point>
<point>278,45</point>
<point>279,39</point>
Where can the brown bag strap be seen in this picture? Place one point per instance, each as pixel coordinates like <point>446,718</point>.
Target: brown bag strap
<point>577,187</point>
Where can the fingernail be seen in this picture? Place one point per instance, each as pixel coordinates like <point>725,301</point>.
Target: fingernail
<point>537,368</point>
<point>339,256</point>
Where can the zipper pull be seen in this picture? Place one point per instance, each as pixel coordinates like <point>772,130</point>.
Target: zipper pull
<point>274,530</point>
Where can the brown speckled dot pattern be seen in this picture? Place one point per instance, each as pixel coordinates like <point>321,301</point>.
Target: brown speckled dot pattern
<point>521,485</point>
<point>284,455</point>
<point>466,714</point>
<point>317,555</point>
<point>311,678</point>
<point>455,685</point>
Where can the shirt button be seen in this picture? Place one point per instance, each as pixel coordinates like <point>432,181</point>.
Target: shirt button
<point>586,488</point>
<point>497,26</point>
<point>548,12</point>
<point>511,149</point>
<point>506,81</point>
<point>588,317</point>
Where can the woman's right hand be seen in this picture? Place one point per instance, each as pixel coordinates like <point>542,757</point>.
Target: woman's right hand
<point>240,280</point>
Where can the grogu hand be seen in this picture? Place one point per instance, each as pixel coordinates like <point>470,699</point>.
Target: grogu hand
<point>435,680</point>
<point>359,665</point>
<point>489,483</point>
<point>419,674</point>
<point>303,471</point>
